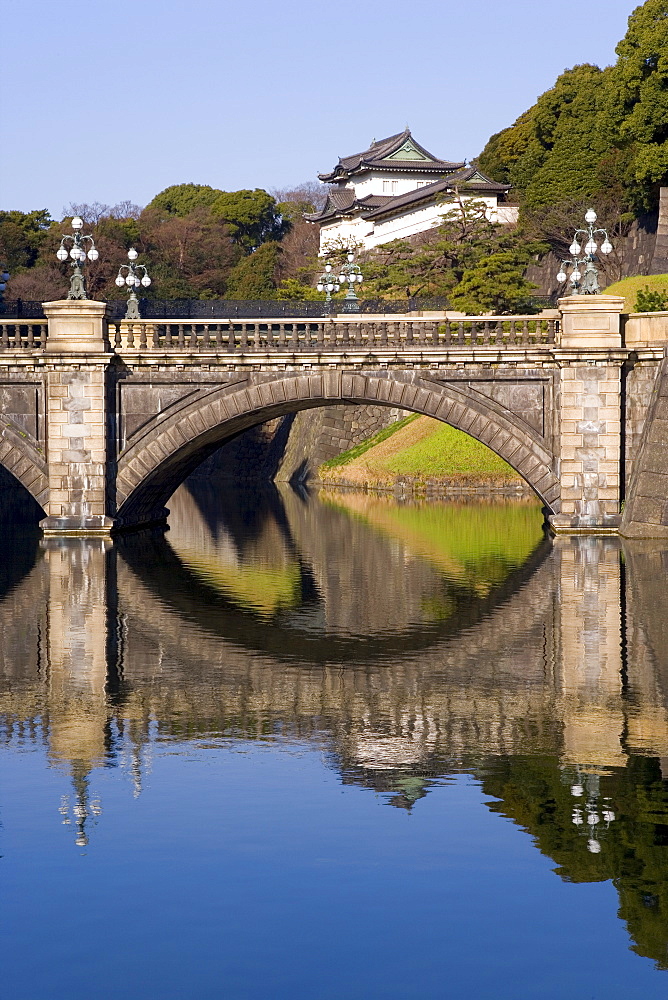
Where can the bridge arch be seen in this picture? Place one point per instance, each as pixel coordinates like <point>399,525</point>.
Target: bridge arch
<point>25,463</point>
<point>171,446</point>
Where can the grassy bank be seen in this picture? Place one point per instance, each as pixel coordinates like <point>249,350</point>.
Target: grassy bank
<point>629,288</point>
<point>421,450</point>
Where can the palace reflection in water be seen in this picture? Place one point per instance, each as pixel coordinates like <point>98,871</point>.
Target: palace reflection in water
<point>408,641</point>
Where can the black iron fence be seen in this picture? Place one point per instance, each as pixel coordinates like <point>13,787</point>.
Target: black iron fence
<point>21,309</point>
<point>203,309</point>
<point>268,308</point>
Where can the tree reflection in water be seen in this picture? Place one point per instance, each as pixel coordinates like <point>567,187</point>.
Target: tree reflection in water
<point>413,642</point>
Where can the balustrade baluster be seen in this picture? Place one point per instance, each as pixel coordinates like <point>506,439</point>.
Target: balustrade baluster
<point>419,333</point>
<point>319,335</point>
<point>5,335</point>
<point>192,340</point>
<point>444,337</point>
<point>293,340</point>
<point>306,342</point>
<point>360,334</point>
<point>206,337</point>
<point>118,340</point>
<point>30,339</point>
<point>168,335</point>
<point>243,337</point>
<point>130,335</point>
<point>142,336</point>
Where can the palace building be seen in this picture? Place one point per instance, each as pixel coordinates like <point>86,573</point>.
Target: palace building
<point>395,189</point>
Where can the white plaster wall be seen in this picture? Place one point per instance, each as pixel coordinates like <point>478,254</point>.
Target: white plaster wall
<point>373,183</point>
<point>507,214</point>
<point>398,227</point>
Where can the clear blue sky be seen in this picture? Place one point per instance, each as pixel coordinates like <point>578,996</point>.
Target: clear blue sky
<point>105,100</point>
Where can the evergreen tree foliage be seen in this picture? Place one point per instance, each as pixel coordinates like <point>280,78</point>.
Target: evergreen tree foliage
<point>597,133</point>
<point>182,199</point>
<point>254,277</point>
<point>552,153</point>
<point>495,284</point>
<point>21,236</point>
<point>252,217</point>
<point>651,301</point>
<point>639,105</point>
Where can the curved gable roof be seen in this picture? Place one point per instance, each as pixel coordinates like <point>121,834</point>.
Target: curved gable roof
<point>386,155</point>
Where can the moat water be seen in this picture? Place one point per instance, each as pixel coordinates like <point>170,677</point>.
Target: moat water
<point>330,747</point>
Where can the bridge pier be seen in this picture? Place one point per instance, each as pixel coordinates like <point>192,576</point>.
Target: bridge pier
<point>589,449</point>
<point>76,361</point>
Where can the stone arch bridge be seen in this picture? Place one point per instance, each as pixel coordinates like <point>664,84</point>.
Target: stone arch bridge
<point>101,422</point>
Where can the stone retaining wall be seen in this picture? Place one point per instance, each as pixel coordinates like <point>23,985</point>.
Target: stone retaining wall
<point>292,448</point>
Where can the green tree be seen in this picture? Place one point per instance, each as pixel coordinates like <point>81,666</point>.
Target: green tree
<point>434,263</point>
<point>254,277</point>
<point>553,150</point>
<point>21,236</point>
<point>252,217</point>
<point>182,199</point>
<point>294,289</point>
<point>651,301</point>
<point>639,101</point>
<point>496,284</point>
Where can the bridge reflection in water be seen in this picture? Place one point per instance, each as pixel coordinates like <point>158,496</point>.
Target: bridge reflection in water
<point>410,642</point>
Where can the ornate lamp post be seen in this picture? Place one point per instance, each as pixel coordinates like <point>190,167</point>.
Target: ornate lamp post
<point>133,281</point>
<point>78,255</point>
<point>327,282</point>
<point>587,283</point>
<point>351,272</point>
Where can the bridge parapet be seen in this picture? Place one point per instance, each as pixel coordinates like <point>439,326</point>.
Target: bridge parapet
<point>336,335</point>
<point>22,335</point>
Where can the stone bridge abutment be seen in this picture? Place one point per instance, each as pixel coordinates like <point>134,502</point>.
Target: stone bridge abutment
<point>100,424</point>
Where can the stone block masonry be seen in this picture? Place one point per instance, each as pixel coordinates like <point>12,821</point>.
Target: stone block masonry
<point>590,446</point>
<point>76,438</point>
<point>646,511</point>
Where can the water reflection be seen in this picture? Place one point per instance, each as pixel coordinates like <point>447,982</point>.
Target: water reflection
<point>409,643</point>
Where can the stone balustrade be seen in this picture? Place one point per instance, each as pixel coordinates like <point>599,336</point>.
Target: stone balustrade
<point>23,335</point>
<point>336,335</point>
